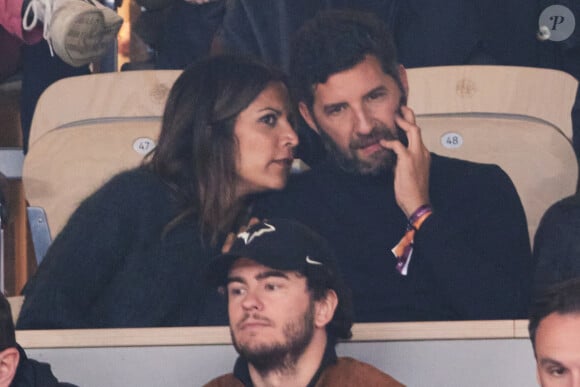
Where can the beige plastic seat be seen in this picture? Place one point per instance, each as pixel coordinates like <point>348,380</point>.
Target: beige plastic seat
<point>86,129</point>
<point>15,306</point>
<point>516,117</point>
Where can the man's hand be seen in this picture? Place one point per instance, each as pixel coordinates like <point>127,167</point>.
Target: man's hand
<point>412,169</point>
<point>232,236</point>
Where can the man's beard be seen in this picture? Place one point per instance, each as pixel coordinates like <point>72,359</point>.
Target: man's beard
<point>379,162</point>
<point>280,357</point>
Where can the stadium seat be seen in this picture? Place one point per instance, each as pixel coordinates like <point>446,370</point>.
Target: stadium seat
<point>516,117</point>
<point>86,129</point>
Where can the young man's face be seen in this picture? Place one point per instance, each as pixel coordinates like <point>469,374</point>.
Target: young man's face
<point>352,111</point>
<point>271,314</point>
<point>558,350</point>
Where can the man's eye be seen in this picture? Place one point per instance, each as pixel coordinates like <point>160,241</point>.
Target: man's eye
<point>272,287</point>
<point>376,95</point>
<point>334,110</point>
<point>269,119</point>
<point>236,291</point>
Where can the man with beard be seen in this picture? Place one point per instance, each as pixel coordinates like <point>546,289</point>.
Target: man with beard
<point>419,236</point>
<point>287,307</point>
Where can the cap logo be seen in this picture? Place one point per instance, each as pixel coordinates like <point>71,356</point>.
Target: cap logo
<point>264,228</point>
<point>312,261</point>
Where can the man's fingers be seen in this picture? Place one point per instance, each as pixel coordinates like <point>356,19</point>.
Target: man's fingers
<point>394,145</point>
<point>408,114</point>
<point>407,123</point>
<point>405,119</point>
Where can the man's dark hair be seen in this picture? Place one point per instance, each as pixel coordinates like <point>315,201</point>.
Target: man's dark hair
<point>561,298</point>
<point>334,41</point>
<point>321,279</point>
<point>7,335</point>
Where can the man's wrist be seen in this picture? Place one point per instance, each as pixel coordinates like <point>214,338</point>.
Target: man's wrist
<point>419,216</point>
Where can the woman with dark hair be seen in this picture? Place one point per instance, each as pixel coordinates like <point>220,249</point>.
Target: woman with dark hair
<point>133,253</point>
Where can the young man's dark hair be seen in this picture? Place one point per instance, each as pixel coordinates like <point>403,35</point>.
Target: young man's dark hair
<point>320,280</point>
<point>562,298</point>
<point>343,39</point>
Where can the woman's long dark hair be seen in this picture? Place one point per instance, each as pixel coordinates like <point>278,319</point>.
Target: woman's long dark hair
<point>197,151</point>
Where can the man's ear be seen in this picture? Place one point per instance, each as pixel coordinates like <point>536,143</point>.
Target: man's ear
<point>325,308</point>
<point>9,359</point>
<point>305,113</point>
<point>404,79</point>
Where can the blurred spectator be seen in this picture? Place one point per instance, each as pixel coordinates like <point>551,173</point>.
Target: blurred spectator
<point>78,32</point>
<point>178,32</point>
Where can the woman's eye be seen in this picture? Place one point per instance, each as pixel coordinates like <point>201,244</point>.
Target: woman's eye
<point>269,120</point>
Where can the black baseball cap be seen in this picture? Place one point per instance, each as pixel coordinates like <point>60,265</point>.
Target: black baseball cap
<point>287,245</point>
<point>280,244</point>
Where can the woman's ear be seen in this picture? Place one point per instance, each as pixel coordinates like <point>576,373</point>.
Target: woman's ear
<point>9,359</point>
<point>324,309</point>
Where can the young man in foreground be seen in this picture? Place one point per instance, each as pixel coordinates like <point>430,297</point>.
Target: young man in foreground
<point>287,308</point>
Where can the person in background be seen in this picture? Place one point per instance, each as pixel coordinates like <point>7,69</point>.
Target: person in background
<point>554,329</point>
<point>176,32</point>
<point>16,369</point>
<point>133,253</point>
<point>287,306</point>
<point>76,33</point>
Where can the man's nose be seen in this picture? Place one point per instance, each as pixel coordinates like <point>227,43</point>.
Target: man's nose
<point>363,121</point>
<point>252,302</point>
